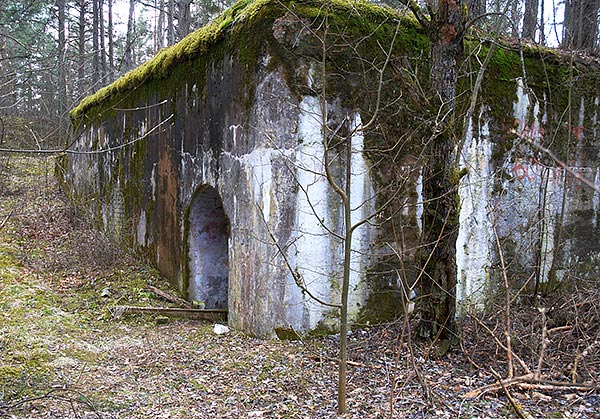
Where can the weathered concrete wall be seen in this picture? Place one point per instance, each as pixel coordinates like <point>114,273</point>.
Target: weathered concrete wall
<point>212,164</point>
<point>545,218</point>
<point>244,134</point>
<point>266,164</point>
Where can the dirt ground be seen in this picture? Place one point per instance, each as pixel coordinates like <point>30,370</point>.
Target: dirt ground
<point>67,352</point>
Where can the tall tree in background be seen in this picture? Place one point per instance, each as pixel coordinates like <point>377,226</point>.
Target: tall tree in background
<point>128,57</point>
<point>160,25</point>
<point>81,59</point>
<point>95,42</point>
<point>61,62</point>
<point>183,18</point>
<point>476,9</point>
<point>102,37</point>
<point>170,22</point>
<point>581,24</point>
<point>111,42</point>
<point>33,83</point>
<point>530,19</point>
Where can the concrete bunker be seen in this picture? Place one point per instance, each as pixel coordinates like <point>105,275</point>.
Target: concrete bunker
<point>208,249</point>
<point>243,114</point>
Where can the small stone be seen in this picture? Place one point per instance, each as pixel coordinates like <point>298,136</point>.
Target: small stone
<point>220,329</point>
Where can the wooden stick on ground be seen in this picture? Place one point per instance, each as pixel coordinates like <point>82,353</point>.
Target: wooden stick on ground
<point>529,382</point>
<point>169,297</point>
<point>516,406</point>
<point>6,219</point>
<point>188,313</point>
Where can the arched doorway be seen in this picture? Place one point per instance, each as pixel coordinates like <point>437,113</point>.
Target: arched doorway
<point>208,249</point>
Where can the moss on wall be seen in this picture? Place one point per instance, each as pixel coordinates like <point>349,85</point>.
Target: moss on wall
<point>370,25</point>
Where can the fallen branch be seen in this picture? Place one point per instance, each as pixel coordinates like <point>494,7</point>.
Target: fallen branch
<point>529,382</point>
<point>579,356</point>
<point>500,344</point>
<point>6,219</point>
<point>516,406</point>
<point>560,329</point>
<point>169,297</point>
<point>319,358</point>
<point>188,313</point>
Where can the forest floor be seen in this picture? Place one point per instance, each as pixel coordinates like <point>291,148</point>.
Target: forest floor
<point>65,353</point>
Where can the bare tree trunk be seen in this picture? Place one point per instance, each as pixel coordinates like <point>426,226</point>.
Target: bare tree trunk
<point>62,77</point>
<point>111,43</point>
<point>3,74</point>
<point>81,85</point>
<point>515,16</point>
<point>160,40</point>
<point>171,23</point>
<point>530,19</point>
<point>128,59</point>
<point>476,8</point>
<point>581,24</point>
<point>541,22</point>
<point>102,37</point>
<point>183,18</point>
<point>95,43</point>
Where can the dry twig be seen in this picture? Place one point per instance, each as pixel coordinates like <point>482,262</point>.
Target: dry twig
<point>528,382</point>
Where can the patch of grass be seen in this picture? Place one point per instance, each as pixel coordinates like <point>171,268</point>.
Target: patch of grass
<point>48,320</point>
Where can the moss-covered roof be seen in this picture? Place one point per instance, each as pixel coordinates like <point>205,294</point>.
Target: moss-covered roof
<point>237,22</point>
<point>233,21</point>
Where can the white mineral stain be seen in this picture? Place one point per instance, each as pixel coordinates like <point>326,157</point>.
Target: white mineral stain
<point>313,256</point>
<point>473,257</point>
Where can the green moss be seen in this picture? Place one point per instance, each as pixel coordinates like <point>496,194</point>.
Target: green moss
<point>324,328</point>
<point>287,333</point>
<point>359,17</point>
<point>456,175</point>
<point>382,306</point>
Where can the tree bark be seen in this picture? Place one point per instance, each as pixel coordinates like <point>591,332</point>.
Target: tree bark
<point>446,33</point>
<point>581,24</point>
<point>102,38</point>
<point>183,18</point>
<point>111,43</point>
<point>160,40</point>
<point>476,8</point>
<point>62,77</point>
<point>95,42</point>
<point>440,178</point>
<point>530,19</point>
<point>81,84</point>
<point>128,58</point>
<point>170,23</point>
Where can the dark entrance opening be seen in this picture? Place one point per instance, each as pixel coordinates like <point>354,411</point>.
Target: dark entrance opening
<point>208,250</point>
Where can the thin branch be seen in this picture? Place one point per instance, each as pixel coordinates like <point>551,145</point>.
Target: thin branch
<point>507,317</point>
<point>558,161</point>
<point>499,343</point>
<point>296,276</point>
<point>538,371</point>
<point>6,219</point>
<point>94,152</point>
<point>516,406</point>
